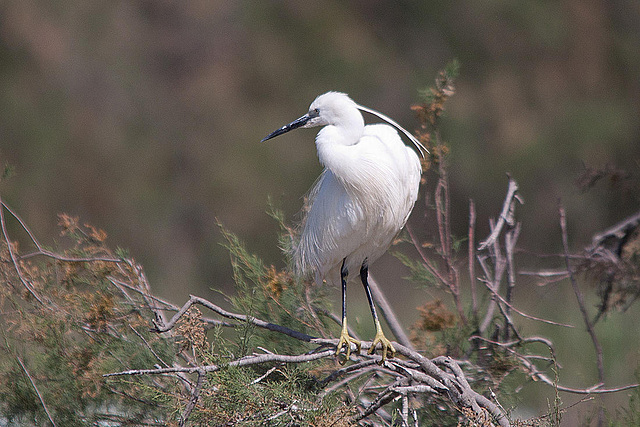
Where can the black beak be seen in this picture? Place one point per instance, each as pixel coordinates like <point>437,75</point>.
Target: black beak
<point>291,126</point>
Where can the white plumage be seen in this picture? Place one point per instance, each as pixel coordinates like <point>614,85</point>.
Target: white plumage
<point>358,205</point>
<point>362,199</point>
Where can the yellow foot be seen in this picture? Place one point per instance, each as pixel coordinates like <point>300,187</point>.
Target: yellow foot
<point>345,341</point>
<point>385,344</point>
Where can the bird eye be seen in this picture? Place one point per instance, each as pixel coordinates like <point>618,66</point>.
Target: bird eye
<point>315,112</point>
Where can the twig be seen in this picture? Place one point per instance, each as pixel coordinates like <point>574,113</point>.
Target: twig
<point>193,399</point>
<point>580,297</point>
<point>505,215</point>
<point>146,343</point>
<point>558,275</point>
<point>540,376</point>
<point>459,391</point>
<point>14,259</point>
<point>583,308</point>
<point>414,389</point>
<point>510,240</point>
<point>419,368</point>
<point>241,317</point>
<point>388,313</point>
<point>617,231</point>
<point>493,279</point>
<point>520,312</point>
<point>265,375</point>
<point>490,249</point>
<point>471,259</point>
<point>381,399</point>
<point>508,323</point>
<point>405,408</point>
<point>450,283</point>
<point>443,218</point>
<point>44,405</point>
<point>347,369</point>
<point>346,380</point>
<point>425,259</point>
<point>520,341</point>
<point>42,251</point>
<point>244,361</point>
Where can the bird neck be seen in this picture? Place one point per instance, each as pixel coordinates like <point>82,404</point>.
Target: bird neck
<point>334,140</point>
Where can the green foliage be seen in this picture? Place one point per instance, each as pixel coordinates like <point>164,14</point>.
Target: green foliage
<point>419,273</point>
<point>54,352</point>
<point>630,416</point>
<point>272,295</point>
<point>68,322</point>
<point>286,396</point>
<point>287,234</point>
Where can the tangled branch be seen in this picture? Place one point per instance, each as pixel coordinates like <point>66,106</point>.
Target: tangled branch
<point>441,376</point>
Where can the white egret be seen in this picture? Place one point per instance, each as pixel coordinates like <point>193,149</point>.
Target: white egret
<point>359,203</point>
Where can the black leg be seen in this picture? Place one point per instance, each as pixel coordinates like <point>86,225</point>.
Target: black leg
<point>345,340</point>
<point>364,277</point>
<point>385,344</point>
<point>343,278</point>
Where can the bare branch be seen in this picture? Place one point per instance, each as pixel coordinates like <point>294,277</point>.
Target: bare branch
<point>240,317</point>
<point>537,375</point>
<point>520,312</point>
<point>510,243</point>
<point>443,218</point>
<point>348,369</point>
<point>33,384</point>
<point>12,254</point>
<point>471,258</point>
<point>420,368</point>
<point>458,388</point>
<point>618,231</point>
<point>42,251</point>
<point>583,308</point>
<point>148,346</point>
<point>245,361</point>
<point>506,215</point>
<point>381,399</point>
<point>425,259</point>
<point>388,313</point>
<point>193,400</point>
<point>580,297</point>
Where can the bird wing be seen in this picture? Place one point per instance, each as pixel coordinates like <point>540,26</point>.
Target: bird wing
<point>396,180</point>
<point>355,212</point>
<point>329,229</point>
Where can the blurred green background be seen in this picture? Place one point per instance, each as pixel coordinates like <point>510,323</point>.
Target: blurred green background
<point>144,118</point>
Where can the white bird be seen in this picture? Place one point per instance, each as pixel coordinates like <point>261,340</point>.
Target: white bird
<point>359,203</point>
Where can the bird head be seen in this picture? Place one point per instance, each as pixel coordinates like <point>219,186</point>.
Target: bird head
<point>331,108</point>
<point>336,108</point>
